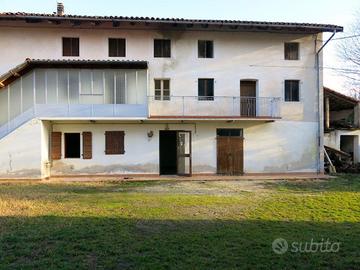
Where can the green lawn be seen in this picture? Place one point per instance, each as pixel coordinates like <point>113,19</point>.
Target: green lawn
<point>178,225</point>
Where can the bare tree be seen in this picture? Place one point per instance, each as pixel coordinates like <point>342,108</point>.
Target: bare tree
<point>349,51</point>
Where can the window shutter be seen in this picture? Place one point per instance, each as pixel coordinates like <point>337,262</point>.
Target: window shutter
<point>87,145</point>
<point>56,145</point>
<point>114,142</point>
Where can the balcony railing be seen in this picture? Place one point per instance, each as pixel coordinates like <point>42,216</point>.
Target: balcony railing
<point>217,106</point>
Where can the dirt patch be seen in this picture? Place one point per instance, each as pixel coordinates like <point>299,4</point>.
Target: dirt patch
<point>205,187</point>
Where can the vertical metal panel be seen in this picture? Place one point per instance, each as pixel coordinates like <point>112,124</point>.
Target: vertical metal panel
<point>46,87</point>
<point>114,88</point>
<point>21,95</point>
<point>68,86</point>
<point>136,87</point>
<point>57,86</point>
<point>8,112</point>
<point>104,85</point>
<point>34,89</point>
<point>126,88</point>
<point>79,74</point>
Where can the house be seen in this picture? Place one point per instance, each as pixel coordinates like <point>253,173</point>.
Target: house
<point>89,95</point>
<point>342,124</point>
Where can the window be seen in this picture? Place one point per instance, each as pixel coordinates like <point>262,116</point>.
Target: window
<point>162,48</point>
<point>117,47</point>
<point>114,142</point>
<point>292,90</point>
<point>72,145</point>
<point>206,89</point>
<point>70,46</point>
<point>229,132</point>
<point>162,89</point>
<point>291,51</point>
<point>205,49</point>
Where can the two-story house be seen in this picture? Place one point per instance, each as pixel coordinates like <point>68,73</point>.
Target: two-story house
<point>89,95</point>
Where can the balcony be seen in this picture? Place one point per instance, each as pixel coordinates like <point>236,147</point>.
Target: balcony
<point>217,107</point>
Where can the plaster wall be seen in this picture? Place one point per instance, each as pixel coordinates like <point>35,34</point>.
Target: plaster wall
<point>268,147</point>
<point>21,152</point>
<point>237,56</point>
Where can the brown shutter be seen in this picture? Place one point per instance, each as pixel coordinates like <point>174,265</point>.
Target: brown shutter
<point>87,145</point>
<point>56,145</point>
<point>114,142</point>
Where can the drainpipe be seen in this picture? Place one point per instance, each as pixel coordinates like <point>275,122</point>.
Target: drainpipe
<point>320,131</point>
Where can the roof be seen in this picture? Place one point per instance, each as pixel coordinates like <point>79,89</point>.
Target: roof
<point>339,101</point>
<point>30,64</point>
<point>171,23</point>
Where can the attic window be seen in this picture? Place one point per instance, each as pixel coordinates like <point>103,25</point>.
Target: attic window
<point>205,49</point>
<point>70,46</point>
<point>291,51</point>
<point>117,47</point>
<point>162,48</point>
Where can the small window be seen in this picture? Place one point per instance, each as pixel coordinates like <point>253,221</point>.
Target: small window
<point>229,132</point>
<point>162,89</point>
<point>291,51</point>
<point>292,90</point>
<point>114,142</point>
<point>206,89</point>
<point>70,46</point>
<point>72,145</point>
<point>162,48</point>
<point>205,49</point>
<point>117,47</point>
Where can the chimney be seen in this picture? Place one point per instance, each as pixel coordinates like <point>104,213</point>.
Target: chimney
<point>60,9</point>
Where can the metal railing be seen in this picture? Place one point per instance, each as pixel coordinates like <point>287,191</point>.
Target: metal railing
<point>216,106</point>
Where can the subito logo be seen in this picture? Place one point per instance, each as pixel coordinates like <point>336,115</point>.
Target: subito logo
<point>280,246</point>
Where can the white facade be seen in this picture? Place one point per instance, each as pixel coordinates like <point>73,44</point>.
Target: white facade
<point>286,143</point>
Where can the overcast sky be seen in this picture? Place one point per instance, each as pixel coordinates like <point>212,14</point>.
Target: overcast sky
<point>313,11</point>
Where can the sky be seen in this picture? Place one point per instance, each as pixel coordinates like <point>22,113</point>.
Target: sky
<point>311,11</point>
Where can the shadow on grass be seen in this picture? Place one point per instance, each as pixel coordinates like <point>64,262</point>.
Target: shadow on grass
<point>50,242</point>
<point>340,183</point>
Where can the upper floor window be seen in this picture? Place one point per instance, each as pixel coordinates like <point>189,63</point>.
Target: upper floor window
<point>162,48</point>
<point>206,89</point>
<point>205,49</point>
<point>117,47</point>
<point>70,46</point>
<point>162,89</point>
<point>291,50</point>
<point>292,90</point>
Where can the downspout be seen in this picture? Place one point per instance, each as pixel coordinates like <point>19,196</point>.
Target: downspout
<point>320,130</point>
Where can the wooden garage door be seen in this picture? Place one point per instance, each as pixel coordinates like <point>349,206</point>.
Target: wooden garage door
<point>230,155</point>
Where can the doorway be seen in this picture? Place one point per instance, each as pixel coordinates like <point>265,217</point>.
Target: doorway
<point>230,151</point>
<point>248,98</point>
<point>348,144</point>
<point>175,152</point>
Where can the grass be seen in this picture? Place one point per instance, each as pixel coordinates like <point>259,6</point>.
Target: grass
<point>178,225</point>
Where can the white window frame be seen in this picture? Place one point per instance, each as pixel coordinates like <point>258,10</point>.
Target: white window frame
<point>156,97</point>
